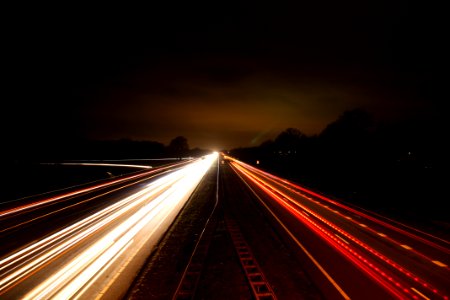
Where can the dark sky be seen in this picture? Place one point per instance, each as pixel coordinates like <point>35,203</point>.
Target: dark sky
<point>221,73</point>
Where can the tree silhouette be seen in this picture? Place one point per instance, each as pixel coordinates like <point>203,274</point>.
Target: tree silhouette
<point>351,125</point>
<point>178,146</point>
<point>387,167</point>
<point>290,140</point>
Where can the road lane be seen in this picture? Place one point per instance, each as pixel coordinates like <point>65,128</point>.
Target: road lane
<point>395,259</point>
<point>28,220</point>
<point>97,255</point>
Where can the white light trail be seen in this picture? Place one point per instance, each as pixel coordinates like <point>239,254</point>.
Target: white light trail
<point>91,247</point>
<point>107,165</point>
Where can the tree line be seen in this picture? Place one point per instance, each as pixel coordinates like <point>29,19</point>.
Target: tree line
<point>395,166</point>
<point>84,149</point>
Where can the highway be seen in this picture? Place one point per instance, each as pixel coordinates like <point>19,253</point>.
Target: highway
<point>90,242</point>
<point>349,252</point>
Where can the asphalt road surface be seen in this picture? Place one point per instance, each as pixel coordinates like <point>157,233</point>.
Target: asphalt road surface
<point>350,252</point>
<point>90,242</point>
<point>148,235</point>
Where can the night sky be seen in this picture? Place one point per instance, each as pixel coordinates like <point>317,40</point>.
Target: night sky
<point>223,74</point>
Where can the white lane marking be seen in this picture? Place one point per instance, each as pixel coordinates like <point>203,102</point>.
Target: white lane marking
<point>406,247</point>
<point>382,234</point>
<point>324,272</point>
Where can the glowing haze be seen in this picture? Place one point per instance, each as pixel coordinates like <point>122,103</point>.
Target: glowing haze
<point>223,76</point>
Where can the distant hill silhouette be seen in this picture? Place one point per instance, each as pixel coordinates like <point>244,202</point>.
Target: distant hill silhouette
<point>391,167</point>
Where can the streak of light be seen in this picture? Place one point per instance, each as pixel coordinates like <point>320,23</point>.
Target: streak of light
<point>384,277</point>
<point>299,244</point>
<point>357,258</point>
<point>439,263</point>
<point>422,295</point>
<point>342,239</point>
<point>357,212</point>
<point>98,241</point>
<point>78,192</point>
<point>107,165</point>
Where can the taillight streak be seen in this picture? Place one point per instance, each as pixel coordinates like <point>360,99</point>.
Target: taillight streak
<point>280,198</point>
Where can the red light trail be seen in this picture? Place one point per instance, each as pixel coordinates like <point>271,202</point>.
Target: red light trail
<point>359,237</point>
